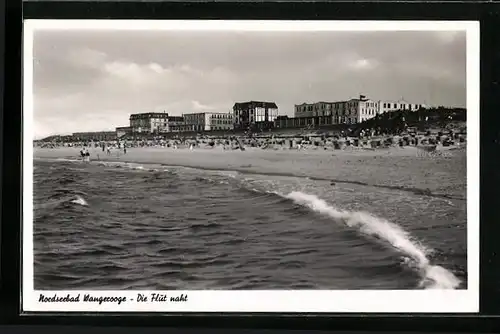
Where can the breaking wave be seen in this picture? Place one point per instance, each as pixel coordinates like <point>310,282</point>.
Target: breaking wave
<point>433,276</point>
<point>80,201</point>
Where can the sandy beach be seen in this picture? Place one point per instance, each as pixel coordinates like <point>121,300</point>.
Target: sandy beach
<point>406,168</point>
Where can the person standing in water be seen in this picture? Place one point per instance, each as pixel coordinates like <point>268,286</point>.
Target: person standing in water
<point>82,153</point>
<point>85,154</point>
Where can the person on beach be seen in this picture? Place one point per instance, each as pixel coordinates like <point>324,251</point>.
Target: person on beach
<point>85,154</point>
<point>108,150</point>
<point>82,153</point>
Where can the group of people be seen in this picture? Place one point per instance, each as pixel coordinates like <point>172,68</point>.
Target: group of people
<point>85,154</point>
<point>107,148</point>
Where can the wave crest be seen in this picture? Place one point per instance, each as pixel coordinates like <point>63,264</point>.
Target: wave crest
<point>433,276</point>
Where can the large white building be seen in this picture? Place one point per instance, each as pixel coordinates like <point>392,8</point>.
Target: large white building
<point>205,121</point>
<point>386,106</point>
<point>218,121</point>
<point>352,111</point>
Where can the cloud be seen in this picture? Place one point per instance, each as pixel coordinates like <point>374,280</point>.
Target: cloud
<point>201,107</point>
<point>362,64</point>
<point>87,80</point>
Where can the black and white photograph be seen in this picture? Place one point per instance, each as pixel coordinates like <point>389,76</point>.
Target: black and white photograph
<point>209,156</point>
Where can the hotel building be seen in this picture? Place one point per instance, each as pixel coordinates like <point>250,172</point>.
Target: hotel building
<point>153,122</point>
<point>314,109</point>
<point>259,113</point>
<point>351,111</point>
<point>205,121</point>
<point>386,106</point>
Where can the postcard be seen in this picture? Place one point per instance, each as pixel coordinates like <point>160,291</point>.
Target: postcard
<point>250,166</point>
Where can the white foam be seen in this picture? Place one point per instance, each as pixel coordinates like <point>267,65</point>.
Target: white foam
<point>435,277</point>
<point>80,200</point>
<point>66,159</point>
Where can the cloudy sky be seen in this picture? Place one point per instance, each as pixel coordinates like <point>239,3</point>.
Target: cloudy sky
<point>93,80</point>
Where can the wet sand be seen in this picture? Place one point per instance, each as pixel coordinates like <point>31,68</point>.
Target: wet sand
<point>408,168</point>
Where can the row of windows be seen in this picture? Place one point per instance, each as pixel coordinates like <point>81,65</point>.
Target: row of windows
<point>222,116</point>
<point>371,104</point>
<point>352,104</point>
<point>258,118</point>
<point>309,121</point>
<point>252,111</point>
<point>221,127</point>
<point>368,112</point>
<point>154,122</point>
<point>223,121</point>
<point>328,106</point>
<point>263,112</point>
<point>330,113</point>
<point>401,105</point>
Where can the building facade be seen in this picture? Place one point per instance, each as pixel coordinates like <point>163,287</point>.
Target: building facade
<point>205,121</point>
<point>388,106</point>
<point>341,112</point>
<point>247,114</point>
<point>153,122</point>
<point>361,109</point>
<point>351,111</point>
<point>314,109</point>
<point>218,121</point>
<point>283,122</point>
<point>148,122</point>
<point>192,122</point>
<point>173,122</point>
<point>303,110</point>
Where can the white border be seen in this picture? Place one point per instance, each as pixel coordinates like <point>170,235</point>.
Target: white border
<point>392,301</point>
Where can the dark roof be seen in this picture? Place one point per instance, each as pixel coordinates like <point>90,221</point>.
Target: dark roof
<point>261,104</point>
<point>149,115</point>
<point>313,103</point>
